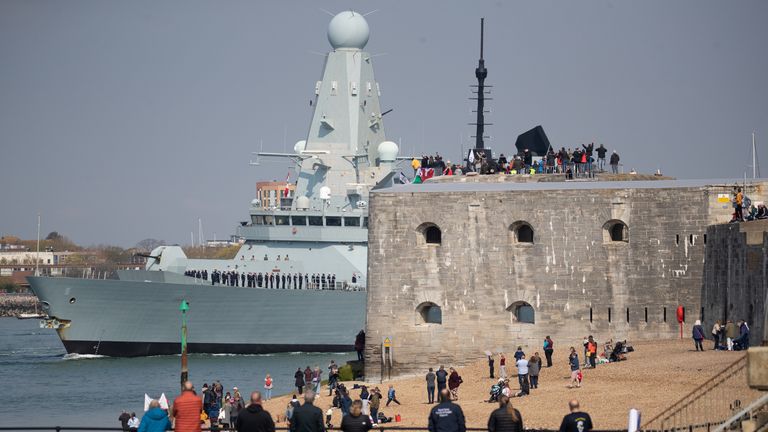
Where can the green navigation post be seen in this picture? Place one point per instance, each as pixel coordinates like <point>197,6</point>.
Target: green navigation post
<point>184,370</point>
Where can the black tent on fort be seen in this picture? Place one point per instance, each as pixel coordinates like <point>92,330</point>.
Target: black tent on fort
<point>535,140</point>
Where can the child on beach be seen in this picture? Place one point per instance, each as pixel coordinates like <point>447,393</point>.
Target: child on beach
<point>391,395</point>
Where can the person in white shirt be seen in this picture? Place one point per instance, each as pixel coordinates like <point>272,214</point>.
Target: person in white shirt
<point>133,423</point>
<point>522,373</point>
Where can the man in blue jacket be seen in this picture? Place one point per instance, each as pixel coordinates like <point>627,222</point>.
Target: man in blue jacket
<point>446,416</point>
<point>155,419</point>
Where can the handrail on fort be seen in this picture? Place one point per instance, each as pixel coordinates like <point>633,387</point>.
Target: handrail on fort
<point>279,428</point>
<point>709,404</point>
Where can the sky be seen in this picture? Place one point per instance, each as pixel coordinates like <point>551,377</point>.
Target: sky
<point>125,120</point>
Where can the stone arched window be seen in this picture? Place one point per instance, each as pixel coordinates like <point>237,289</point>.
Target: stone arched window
<point>431,232</point>
<point>430,313</point>
<point>523,312</point>
<point>615,231</point>
<point>522,232</point>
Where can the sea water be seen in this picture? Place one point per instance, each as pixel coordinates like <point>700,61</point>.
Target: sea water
<point>44,386</point>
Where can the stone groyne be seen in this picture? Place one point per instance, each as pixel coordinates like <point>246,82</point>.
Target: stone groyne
<point>12,305</point>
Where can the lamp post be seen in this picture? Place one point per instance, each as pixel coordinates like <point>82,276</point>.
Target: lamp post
<point>184,307</point>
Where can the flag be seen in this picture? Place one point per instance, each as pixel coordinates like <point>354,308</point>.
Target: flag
<point>417,177</point>
<point>287,183</point>
<point>403,178</point>
<point>147,400</point>
<point>163,402</point>
<point>427,173</point>
<point>471,157</point>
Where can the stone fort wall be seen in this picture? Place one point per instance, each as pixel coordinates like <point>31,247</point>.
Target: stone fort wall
<point>735,284</point>
<point>482,279</point>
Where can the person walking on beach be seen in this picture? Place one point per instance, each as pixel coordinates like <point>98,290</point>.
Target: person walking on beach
<point>446,416</point>
<point>186,410</point>
<point>573,360</point>
<point>502,366</point>
<point>268,387</point>
<point>254,418</point>
<point>698,335</point>
<point>442,378</point>
<point>375,404</point>
<point>577,420</point>
<point>391,397</point>
<point>431,386</point>
<point>549,348</point>
<point>592,351</point>
<point>534,366</point>
<point>155,419</point>
<point>356,421</point>
<point>505,418</point>
<point>522,373</point>
<point>490,364</point>
<point>299,380</point>
<point>454,381</point>
<point>308,378</point>
<point>716,334</point>
<point>519,353</point>
<point>731,333</point>
<point>308,417</point>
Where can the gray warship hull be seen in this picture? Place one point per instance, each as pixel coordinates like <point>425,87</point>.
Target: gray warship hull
<point>126,318</point>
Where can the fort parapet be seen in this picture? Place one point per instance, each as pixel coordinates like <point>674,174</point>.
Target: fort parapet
<point>487,263</point>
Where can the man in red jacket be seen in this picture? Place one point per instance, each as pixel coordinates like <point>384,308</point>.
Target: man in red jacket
<point>186,410</point>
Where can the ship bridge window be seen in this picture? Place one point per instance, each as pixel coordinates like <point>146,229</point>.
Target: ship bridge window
<point>365,222</point>
<point>269,220</point>
<point>299,220</point>
<point>281,220</point>
<point>352,221</point>
<point>316,220</point>
<point>257,219</point>
<point>332,221</point>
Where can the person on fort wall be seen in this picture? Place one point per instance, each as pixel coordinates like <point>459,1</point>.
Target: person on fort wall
<point>698,335</point>
<point>549,348</point>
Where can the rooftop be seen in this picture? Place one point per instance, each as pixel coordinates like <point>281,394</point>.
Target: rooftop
<point>540,182</point>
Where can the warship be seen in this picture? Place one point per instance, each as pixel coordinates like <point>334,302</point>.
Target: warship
<point>321,230</point>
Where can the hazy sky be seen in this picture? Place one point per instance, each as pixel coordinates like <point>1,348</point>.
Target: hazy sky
<point>121,120</point>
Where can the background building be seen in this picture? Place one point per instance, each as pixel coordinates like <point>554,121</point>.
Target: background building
<point>273,194</point>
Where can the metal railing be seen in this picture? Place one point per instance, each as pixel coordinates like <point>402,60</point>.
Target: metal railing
<point>710,404</point>
<point>279,428</point>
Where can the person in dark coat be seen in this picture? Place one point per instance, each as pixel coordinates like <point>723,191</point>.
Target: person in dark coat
<point>307,418</point>
<point>442,378</point>
<point>505,418</point>
<point>446,416</point>
<point>490,364</point>
<point>360,345</point>
<point>254,418</point>
<point>615,162</point>
<point>698,335</point>
<point>299,376</point>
